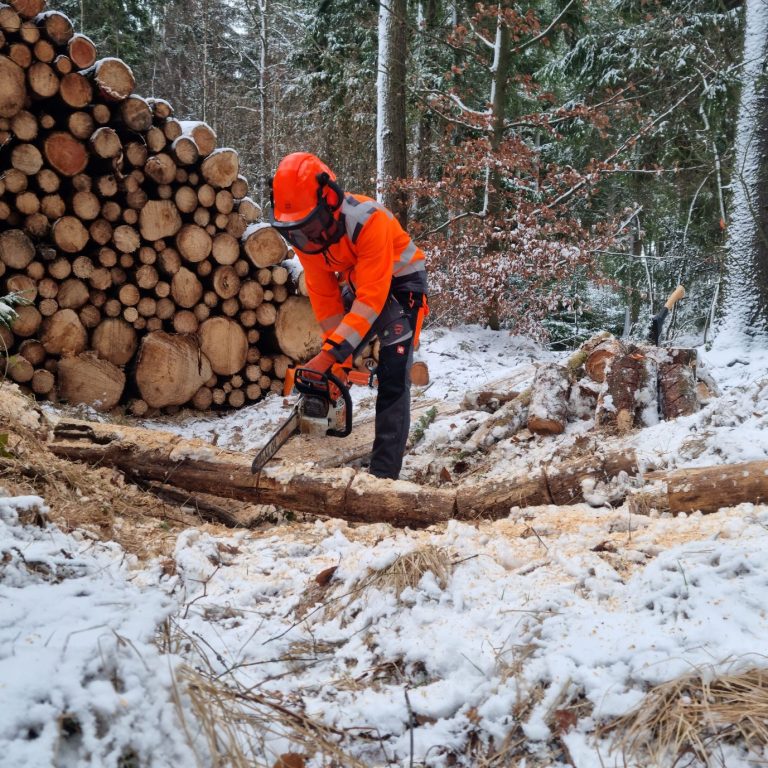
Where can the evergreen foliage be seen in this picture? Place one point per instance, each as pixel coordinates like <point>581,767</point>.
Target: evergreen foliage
<point>571,159</point>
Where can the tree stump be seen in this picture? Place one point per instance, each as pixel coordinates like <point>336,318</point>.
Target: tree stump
<point>677,383</point>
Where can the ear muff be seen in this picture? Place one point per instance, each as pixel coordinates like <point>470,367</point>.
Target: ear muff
<point>329,192</point>
<point>271,192</point>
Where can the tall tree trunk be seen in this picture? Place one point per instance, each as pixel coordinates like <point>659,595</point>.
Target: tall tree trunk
<point>424,131</point>
<point>391,161</point>
<point>263,40</point>
<point>745,308</point>
<point>492,204</point>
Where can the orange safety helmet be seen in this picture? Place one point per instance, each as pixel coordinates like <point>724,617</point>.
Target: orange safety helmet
<point>305,199</point>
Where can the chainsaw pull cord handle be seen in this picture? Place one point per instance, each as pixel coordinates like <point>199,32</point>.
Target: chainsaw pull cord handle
<point>344,393</point>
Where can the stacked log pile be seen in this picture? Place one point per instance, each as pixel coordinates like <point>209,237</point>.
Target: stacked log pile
<point>619,385</point>
<point>133,237</point>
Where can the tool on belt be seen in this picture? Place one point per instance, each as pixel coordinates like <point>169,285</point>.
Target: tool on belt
<point>324,407</point>
<point>657,321</point>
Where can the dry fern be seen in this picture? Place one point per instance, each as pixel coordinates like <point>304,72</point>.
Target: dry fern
<point>406,571</point>
<point>693,715</point>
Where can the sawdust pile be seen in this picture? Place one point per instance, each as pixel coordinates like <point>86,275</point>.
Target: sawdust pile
<point>96,501</point>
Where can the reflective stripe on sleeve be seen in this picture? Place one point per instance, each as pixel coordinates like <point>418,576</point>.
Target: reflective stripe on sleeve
<point>345,332</point>
<point>406,261</point>
<point>359,308</point>
<point>330,323</point>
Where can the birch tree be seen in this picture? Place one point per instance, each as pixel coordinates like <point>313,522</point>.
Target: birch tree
<point>745,307</point>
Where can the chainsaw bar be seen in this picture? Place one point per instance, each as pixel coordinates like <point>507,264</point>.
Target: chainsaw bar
<point>289,428</point>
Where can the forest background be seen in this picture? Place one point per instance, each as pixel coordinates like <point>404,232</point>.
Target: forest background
<point>564,163</point>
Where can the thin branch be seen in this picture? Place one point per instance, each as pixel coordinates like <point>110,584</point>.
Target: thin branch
<point>543,34</point>
<point>454,219</point>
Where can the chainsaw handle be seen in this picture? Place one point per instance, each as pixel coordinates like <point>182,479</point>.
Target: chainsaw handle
<point>344,392</point>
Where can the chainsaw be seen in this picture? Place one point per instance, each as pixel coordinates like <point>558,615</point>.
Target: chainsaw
<point>324,407</point>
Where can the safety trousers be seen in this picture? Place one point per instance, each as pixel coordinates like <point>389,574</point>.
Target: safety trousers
<point>395,329</point>
<point>393,402</point>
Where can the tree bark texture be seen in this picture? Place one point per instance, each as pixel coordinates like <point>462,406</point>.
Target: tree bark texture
<point>149,455</point>
<point>390,113</point>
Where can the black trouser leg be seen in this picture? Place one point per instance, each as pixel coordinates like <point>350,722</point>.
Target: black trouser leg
<point>393,404</point>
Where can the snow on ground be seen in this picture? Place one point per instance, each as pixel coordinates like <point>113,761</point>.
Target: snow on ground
<point>526,614</point>
<point>458,359</point>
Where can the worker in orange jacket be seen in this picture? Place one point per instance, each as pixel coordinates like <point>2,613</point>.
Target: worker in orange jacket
<point>365,277</point>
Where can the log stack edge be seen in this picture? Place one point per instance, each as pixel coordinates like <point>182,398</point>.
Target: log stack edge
<point>151,281</point>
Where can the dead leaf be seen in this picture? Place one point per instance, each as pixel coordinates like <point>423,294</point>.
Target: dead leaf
<point>324,577</point>
<point>565,719</point>
<point>290,760</point>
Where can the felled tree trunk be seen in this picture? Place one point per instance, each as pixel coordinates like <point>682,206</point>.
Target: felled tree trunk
<point>703,489</point>
<point>150,455</point>
<point>196,466</point>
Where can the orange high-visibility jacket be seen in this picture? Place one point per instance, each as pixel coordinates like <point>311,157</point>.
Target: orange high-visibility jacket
<point>374,256</point>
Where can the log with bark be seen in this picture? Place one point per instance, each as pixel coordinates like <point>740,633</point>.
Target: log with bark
<point>677,383</point>
<point>702,489</point>
<point>547,411</point>
<point>148,455</point>
<point>626,384</point>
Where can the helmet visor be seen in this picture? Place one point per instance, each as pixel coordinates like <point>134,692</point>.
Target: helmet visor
<point>312,234</point>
